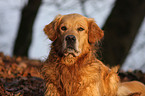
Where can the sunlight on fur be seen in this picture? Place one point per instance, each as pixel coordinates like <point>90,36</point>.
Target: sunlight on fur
<point>71,68</point>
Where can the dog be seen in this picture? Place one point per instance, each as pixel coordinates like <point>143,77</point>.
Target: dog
<point>72,68</point>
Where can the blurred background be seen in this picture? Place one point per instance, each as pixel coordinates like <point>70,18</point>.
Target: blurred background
<point>123,21</point>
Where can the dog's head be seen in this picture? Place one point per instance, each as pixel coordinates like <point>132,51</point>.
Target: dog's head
<point>73,34</point>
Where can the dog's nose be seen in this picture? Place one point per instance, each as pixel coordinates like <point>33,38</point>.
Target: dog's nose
<point>70,38</point>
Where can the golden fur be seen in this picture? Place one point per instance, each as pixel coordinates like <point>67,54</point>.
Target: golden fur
<point>71,68</point>
<point>133,88</point>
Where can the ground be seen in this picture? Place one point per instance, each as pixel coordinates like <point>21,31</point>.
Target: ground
<point>19,76</point>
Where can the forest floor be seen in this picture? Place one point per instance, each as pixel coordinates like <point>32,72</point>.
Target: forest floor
<point>19,76</point>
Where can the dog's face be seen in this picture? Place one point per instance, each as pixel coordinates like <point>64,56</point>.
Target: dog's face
<point>72,34</point>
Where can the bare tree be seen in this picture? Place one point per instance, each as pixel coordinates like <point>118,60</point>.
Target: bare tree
<point>121,28</point>
<point>24,36</point>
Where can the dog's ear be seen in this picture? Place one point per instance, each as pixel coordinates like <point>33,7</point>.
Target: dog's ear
<point>95,33</point>
<point>51,29</point>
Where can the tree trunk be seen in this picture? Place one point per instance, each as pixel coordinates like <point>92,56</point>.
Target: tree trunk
<point>120,30</point>
<point>24,36</point>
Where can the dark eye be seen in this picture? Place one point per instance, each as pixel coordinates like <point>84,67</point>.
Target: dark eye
<point>80,29</point>
<point>63,28</point>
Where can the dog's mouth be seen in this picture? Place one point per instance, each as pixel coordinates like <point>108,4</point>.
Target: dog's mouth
<point>71,52</point>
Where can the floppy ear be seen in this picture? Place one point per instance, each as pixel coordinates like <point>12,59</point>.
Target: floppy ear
<point>51,29</point>
<point>95,33</point>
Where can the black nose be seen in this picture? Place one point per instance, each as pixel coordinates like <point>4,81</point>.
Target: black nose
<point>70,38</point>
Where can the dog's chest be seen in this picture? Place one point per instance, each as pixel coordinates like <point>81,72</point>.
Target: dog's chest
<point>69,78</point>
<point>73,82</point>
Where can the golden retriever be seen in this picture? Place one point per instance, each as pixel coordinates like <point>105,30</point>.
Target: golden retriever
<point>72,68</point>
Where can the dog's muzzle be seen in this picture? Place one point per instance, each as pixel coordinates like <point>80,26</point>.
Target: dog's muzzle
<point>71,48</point>
<point>70,41</point>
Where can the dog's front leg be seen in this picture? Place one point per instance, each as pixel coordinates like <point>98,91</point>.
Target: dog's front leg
<point>51,90</point>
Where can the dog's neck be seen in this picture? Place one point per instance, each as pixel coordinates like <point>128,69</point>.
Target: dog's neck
<point>69,61</point>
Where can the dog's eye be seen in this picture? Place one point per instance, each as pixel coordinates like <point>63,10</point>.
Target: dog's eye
<point>63,28</point>
<point>80,29</point>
